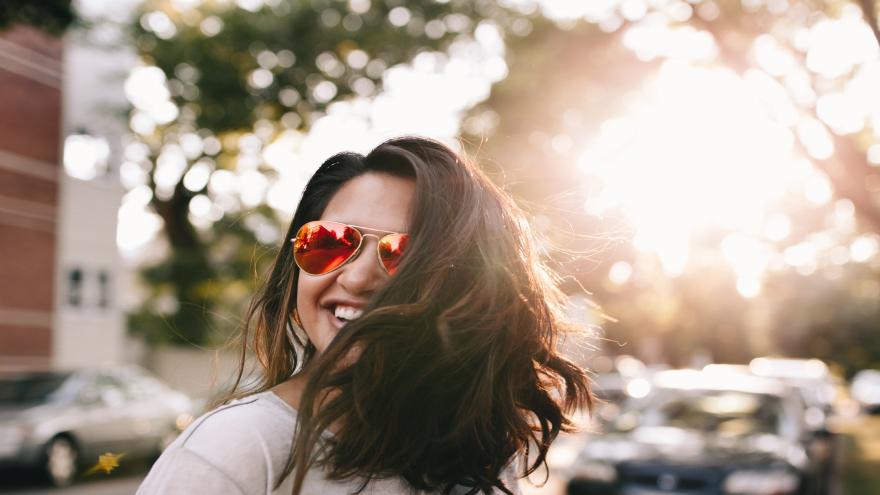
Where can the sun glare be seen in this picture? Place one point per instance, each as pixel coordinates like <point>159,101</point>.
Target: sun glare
<point>700,150</point>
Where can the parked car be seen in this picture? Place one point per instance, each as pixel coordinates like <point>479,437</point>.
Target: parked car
<point>61,421</point>
<point>812,379</point>
<point>818,388</point>
<point>700,433</point>
<point>865,389</point>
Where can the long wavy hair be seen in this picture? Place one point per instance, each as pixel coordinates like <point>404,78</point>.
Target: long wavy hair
<point>458,368</point>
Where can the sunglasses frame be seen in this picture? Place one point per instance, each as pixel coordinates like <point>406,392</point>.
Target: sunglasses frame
<point>360,230</point>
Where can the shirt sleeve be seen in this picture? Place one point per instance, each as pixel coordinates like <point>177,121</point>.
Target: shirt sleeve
<point>509,476</point>
<point>180,471</point>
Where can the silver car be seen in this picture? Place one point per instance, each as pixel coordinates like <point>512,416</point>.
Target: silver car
<point>60,422</point>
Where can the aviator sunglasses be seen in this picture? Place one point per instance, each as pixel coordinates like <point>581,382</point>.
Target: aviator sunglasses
<point>321,247</point>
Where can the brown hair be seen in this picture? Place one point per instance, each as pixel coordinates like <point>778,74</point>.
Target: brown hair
<point>458,368</point>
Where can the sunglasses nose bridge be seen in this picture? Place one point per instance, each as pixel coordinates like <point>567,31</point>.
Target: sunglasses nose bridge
<point>360,248</point>
<point>360,245</point>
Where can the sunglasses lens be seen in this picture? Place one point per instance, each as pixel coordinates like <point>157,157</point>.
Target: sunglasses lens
<point>320,247</point>
<point>391,249</point>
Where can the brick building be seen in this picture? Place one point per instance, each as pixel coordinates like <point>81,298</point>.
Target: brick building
<point>30,155</point>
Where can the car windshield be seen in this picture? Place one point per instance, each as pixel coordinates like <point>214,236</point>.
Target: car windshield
<point>717,411</point>
<point>34,387</point>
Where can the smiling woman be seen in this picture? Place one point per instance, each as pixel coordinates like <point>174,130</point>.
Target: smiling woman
<point>325,301</point>
<point>407,338</point>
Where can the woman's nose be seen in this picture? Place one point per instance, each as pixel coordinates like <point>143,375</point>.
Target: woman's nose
<point>363,275</point>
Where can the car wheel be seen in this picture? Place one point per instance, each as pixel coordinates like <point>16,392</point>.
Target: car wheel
<point>61,461</point>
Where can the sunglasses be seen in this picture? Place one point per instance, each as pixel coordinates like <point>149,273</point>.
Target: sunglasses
<point>321,247</point>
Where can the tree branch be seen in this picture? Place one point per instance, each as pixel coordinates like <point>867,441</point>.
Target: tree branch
<point>847,169</point>
<point>869,10</point>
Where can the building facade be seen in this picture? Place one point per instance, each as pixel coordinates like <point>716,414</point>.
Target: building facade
<point>59,264</point>
<point>31,71</point>
<point>89,321</point>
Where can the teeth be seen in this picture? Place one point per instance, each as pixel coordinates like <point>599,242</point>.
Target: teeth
<point>347,313</point>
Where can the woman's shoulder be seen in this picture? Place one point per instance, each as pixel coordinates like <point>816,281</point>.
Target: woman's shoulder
<point>239,447</point>
<point>251,431</point>
<point>259,416</point>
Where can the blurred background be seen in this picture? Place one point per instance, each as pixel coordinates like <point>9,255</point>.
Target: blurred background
<point>704,175</point>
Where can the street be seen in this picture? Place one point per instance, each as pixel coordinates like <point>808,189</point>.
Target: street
<point>111,486</point>
<point>122,481</point>
<point>857,470</point>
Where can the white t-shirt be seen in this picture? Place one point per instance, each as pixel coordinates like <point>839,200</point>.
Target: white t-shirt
<point>240,448</point>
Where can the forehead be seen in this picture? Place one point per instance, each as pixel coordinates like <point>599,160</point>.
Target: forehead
<point>376,200</point>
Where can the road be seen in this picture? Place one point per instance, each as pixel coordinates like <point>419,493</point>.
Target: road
<point>857,470</point>
<point>112,486</point>
<point>122,481</point>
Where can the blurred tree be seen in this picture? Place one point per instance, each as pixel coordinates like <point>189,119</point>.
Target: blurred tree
<point>221,82</point>
<point>539,119</point>
<point>52,16</point>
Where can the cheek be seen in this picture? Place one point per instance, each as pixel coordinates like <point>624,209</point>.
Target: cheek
<point>301,291</point>
<point>308,292</point>
<point>306,297</point>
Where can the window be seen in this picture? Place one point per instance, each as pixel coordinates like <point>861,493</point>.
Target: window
<point>75,287</point>
<point>103,289</point>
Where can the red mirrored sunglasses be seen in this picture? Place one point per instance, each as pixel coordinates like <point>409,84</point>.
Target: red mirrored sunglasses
<point>321,247</point>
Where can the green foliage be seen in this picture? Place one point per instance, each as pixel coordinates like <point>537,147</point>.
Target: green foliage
<point>200,294</point>
<point>833,319</point>
<point>288,38</point>
<point>859,445</point>
<point>52,16</point>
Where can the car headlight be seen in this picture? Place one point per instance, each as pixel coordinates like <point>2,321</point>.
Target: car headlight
<point>768,482</point>
<point>594,471</point>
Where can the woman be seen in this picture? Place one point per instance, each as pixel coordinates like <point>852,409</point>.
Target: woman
<point>407,339</point>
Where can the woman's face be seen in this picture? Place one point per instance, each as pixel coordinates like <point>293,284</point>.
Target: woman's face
<point>375,200</point>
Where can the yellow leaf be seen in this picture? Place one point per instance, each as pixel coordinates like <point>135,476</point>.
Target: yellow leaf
<point>107,462</point>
